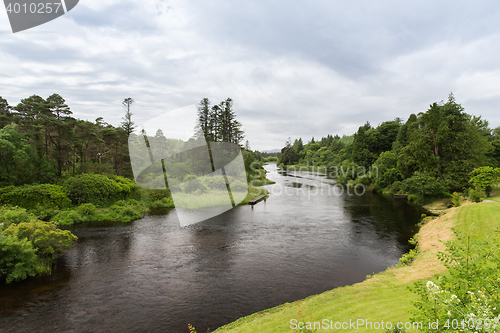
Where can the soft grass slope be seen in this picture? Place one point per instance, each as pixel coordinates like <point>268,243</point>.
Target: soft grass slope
<point>384,296</point>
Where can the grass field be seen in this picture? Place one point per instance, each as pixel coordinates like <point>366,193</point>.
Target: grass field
<point>384,296</point>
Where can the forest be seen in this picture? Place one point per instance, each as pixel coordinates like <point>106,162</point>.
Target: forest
<point>432,155</point>
<point>58,171</point>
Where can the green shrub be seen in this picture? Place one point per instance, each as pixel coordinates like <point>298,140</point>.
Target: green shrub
<point>68,217</point>
<point>151,195</point>
<point>35,196</point>
<point>86,209</point>
<point>45,214</point>
<point>476,195</point>
<point>162,203</point>
<point>467,292</point>
<point>484,178</point>
<point>387,178</point>
<point>215,182</point>
<point>193,184</point>
<point>408,258</point>
<point>99,190</point>
<point>456,199</point>
<point>13,215</point>
<point>18,259</point>
<point>49,241</point>
<point>423,186</point>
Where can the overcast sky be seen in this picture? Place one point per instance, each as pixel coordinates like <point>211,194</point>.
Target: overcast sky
<point>293,68</point>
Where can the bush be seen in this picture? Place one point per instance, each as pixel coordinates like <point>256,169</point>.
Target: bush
<point>456,199</point>
<point>467,292</point>
<point>423,186</point>
<point>476,195</point>
<point>18,259</point>
<point>86,209</point>
<point>13,215</point>
<point>215,182</point>
<point>484,178</point>
<point>162,203</point>
<point>49,241</point>
<point>151,195</point>
<point>408,258</point>
<point>99,190</point>
<point>68,217</point>
<point>193,184</point>
<point>35,196</point>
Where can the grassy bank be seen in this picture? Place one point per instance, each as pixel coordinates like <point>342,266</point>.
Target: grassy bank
<point>384,296</point>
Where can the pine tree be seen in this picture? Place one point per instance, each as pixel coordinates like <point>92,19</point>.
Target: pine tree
<point>128,124</point>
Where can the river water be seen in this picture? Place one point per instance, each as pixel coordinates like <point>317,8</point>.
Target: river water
<point>154,276</point>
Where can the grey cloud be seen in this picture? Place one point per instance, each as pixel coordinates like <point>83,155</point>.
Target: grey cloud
<point>292,68</point>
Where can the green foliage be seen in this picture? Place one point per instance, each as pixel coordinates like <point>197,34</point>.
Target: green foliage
<point>49,241</point>
<point>476,195</point>
<point>468,293</point>
<point>13,215</point>
<point>69,217</point>
<point>215,182</point>
<point>193,184</point>
<point>86,209</point>
<point>35,196</point>
<point>122,211</point>
<point>485,177</point>
<point>456,199</point>
<point>437,146</point>
<point>18,259</point>
<point>99,190</point>
<point>408,258</point>
<point>423,186</point>
<point>16,157</point>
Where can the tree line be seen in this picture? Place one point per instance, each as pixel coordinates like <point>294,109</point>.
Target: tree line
<point>40,140</point>
<point>218,122</point>
<point>432,153</point>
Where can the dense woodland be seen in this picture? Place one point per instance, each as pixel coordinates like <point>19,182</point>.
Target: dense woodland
<point>56,170</point>
<point>430,155</point>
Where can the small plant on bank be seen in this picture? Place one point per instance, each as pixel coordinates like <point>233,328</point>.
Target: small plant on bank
<point>476,195</point>
<point>303,324</point>
<point>456,199</point>
<point>467,298</point>
<point>191,328</point>
<point>408,258</point>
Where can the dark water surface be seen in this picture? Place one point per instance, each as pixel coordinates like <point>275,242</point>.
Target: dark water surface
<point>154,276</point>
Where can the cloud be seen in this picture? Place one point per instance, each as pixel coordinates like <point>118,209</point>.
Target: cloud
<point>292,68</point>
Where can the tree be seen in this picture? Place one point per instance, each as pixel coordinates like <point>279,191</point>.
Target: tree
<point>5,113</point>
<point>445,142</point>
<point>60,130</point>
<point>484,178</point>
<point>218,123</point>
<point>128,124</point>
<point>17,158</point>
<point>204,123</point>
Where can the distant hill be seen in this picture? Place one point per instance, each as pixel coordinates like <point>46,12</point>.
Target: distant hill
<point>271,151</point>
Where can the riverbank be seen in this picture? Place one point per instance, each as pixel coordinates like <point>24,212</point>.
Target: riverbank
<point>383,296</point>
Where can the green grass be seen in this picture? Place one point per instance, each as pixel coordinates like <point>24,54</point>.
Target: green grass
<point>384,296</point>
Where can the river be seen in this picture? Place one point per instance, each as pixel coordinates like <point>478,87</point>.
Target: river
<point>154,276</point>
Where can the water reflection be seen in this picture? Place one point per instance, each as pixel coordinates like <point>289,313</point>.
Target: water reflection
<point>153,275</point>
